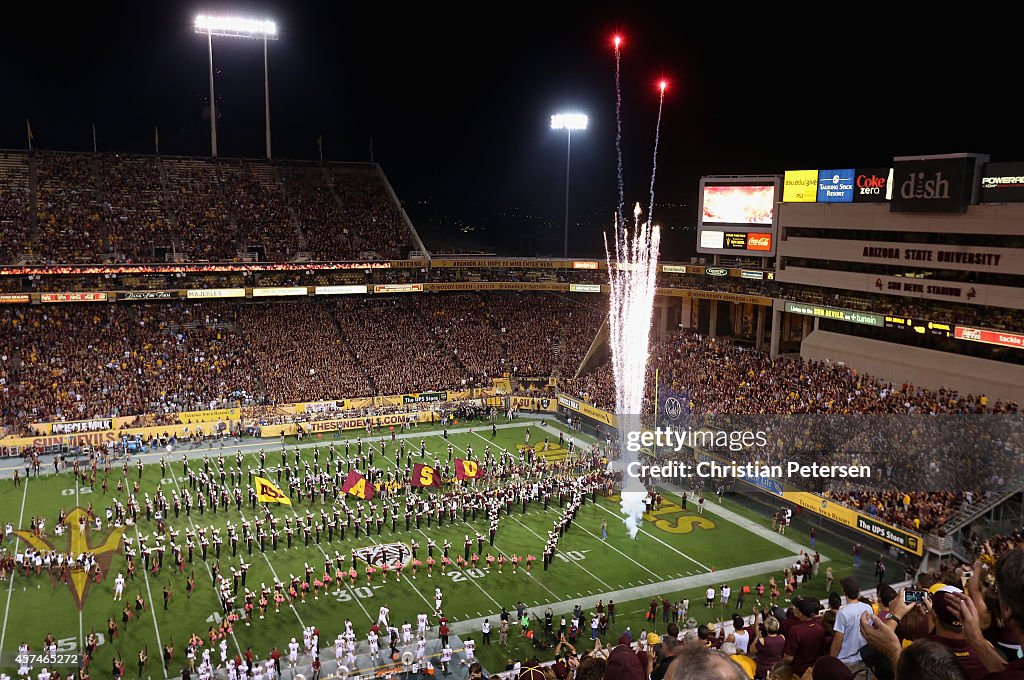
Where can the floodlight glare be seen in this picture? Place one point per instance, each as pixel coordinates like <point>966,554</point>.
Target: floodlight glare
<point>569,121</point>
<point>236,27</point>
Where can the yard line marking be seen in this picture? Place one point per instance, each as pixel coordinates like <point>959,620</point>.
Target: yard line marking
<point>479,587</point>
<point>276,577</point>
<point>81,638</point>
<point>152,607</point>
<point>405,580</point>
<point>10,589</point>
<point>209,572</point>
<point>346,584</point>
<point>475,529</point>
<point>513,518</point>
<point>608,543</point>
<point>647,533</point>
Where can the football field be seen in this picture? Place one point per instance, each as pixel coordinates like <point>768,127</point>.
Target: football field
<point>677,553</point>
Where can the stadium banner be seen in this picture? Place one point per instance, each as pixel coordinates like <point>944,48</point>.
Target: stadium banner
<point>673,268</point>
<point>585,409</point>
<point>989,295</point>
<point>398,288</point>
<point>467,469</point>
<point>187,417</point>
<point>96,438</point>
<point>522,263</point>
<point>823,312</point>
<point>866,524</point>
<point>989,337</point>
<point>425,475</point>
<point>800,186</point>
<point>79,426</point>
<point>533,403</point>
<point>275,291</point>
<point>424,397</point>
<point>130,295</point>
<point>715,295</point>
<point>267,492</point>
<point>357,485</point>
<point>206,293</point>
<point>585,288</point>
<point>495,285</point>
<point>14,298</point>
<point>97,296</point>
<point>501,385</point>
<point>340,290</point>
<point>315,407</point>
<point>970,258</point>
<point>318,427</point>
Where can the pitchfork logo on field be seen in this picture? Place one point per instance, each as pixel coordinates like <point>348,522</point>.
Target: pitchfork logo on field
<point>78,543</point>
<point>387,553</point>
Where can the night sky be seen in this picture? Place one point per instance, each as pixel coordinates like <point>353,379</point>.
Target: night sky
<point>457,102</point>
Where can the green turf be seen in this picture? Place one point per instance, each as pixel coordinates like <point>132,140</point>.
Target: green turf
<point>588,568</point>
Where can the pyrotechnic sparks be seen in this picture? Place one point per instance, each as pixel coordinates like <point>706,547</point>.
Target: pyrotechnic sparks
<point>620,219</point>
<point>657,136</point>
<point>631,275</point>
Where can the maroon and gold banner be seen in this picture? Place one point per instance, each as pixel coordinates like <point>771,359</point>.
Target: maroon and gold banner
<point>425,475</point>
<point>99,296</point>
<point>356,485</point>
<point>267,492</point>
<point>467,469</point>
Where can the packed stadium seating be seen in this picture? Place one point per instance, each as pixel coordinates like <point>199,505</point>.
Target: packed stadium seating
<point>103,360</point>
<point>116,207</point>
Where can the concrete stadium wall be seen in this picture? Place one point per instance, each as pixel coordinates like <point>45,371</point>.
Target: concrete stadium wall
<point>921,367</point>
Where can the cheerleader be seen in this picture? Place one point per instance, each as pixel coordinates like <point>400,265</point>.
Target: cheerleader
<point>250,599</point>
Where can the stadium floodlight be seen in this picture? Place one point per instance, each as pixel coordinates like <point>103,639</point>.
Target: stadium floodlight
<point>568,122</point>
<point>236,27</point>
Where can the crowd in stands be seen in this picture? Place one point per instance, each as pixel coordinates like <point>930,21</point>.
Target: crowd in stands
<point>115,208</point>
<point>257,205</point>
<point>924,512</point>
<point>720,377</point>
<point>97,360</point>
<point>132,206</point>
<point>68,211</point>
<point>78,363</point>
<point>300,355</point>
<point>15,205</point>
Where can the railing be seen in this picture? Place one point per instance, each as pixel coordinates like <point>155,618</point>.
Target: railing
<point>976,510</point>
